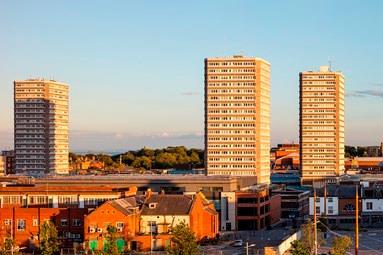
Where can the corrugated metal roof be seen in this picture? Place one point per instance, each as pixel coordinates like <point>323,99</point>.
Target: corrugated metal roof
<point>127,206</point>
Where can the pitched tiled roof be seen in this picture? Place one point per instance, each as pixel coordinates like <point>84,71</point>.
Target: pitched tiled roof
<point>167,205</point>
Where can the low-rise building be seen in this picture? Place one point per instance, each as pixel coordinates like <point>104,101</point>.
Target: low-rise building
<point>59,196</point>
<point>121,213</point>
<point>160,213</point>
<point>9,161</point>
<point>2,165</point>
<point>285,156</point>
<point>290,178</point>
<point>146,222</point>
<point>374,151</point>
<point>24,225</point>
<point>294,202</point>
<point>372,205</point>
<point>338,205</point>
<point>249,209</point>
<point>364,163</point>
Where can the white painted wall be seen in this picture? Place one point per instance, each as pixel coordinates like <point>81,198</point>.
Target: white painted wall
<point>334,204</point>
<point>377,205</point>
<point>171,220</point>
<point>230,208</point>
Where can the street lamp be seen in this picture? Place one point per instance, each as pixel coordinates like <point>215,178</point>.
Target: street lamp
<point>248,246</point>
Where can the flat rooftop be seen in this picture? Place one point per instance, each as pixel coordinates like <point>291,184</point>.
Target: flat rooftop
<point>188,182</point>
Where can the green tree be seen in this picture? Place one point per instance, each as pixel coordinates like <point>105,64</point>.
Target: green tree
<point>194,158</point>
<point>111,247</point>
<point>142,162</point>
<point>297,248</point>
<point>8,245</point>
<point>165,160</point>
<point>108,161</point>
<point>146,152</point>
<point>128,158</point>
<point>361,151</point>
<point>350,151</point>
<point>341,245</point>
<point>308,236</point>
<point>183,241</point>
<point>181,150</point>
<point>182,159</point>
<point>49,243</point>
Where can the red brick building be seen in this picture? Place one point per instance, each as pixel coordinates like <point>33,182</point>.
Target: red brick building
<point>60,196</point>
<point>24,208</point>
<point>146,222</point>
<point>23,224</point>
<point>122,213</point>
<point>160,213</point>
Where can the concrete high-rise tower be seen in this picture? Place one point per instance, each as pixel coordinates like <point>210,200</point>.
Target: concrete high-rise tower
<point>321,124</point>
<point>237,117</point>
<point>41,127</point>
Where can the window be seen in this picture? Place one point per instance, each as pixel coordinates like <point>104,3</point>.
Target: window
<point>318,209</point>
<point>68,200</point>
<point>318,199</point>
<point>247,200</point>
<point>369,205</point>
<point>35,222</point>
<point>152,227</point>
<point>119,224</point>
<point>64,222</point>
<point>330,200</point>
<point>20,225</point>
<point>330,210</point>
<point>76,222</point>
<point>7,222</point>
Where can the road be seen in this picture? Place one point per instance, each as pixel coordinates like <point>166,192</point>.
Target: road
<point>257,239</point>
<point>370,242</point>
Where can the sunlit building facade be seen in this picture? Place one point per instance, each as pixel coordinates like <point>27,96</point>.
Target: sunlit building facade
<point>237,117</point>
<point>41,127</point>
<point>321,124</point>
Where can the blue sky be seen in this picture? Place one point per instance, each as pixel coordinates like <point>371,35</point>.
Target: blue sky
<point>135,68</point>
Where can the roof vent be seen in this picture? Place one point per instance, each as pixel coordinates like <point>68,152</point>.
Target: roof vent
<point>152,205</point>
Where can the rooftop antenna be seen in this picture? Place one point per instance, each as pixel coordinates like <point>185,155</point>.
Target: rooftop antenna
<point>241,53</point>
<point>329,64</point>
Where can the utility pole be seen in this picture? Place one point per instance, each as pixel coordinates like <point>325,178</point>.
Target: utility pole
<point>315,223</point>
<point>247,248</point>
<point>356,219</point>
<point>13,217</point>
<point>151,238</point>
<point>325,199</point>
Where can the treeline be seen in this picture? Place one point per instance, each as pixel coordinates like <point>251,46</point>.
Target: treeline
<point>358,151</point>
<point>146,158</point>
<point>170,157</point>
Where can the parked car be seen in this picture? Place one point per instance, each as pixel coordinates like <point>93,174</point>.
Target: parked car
<point>237,243</point>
